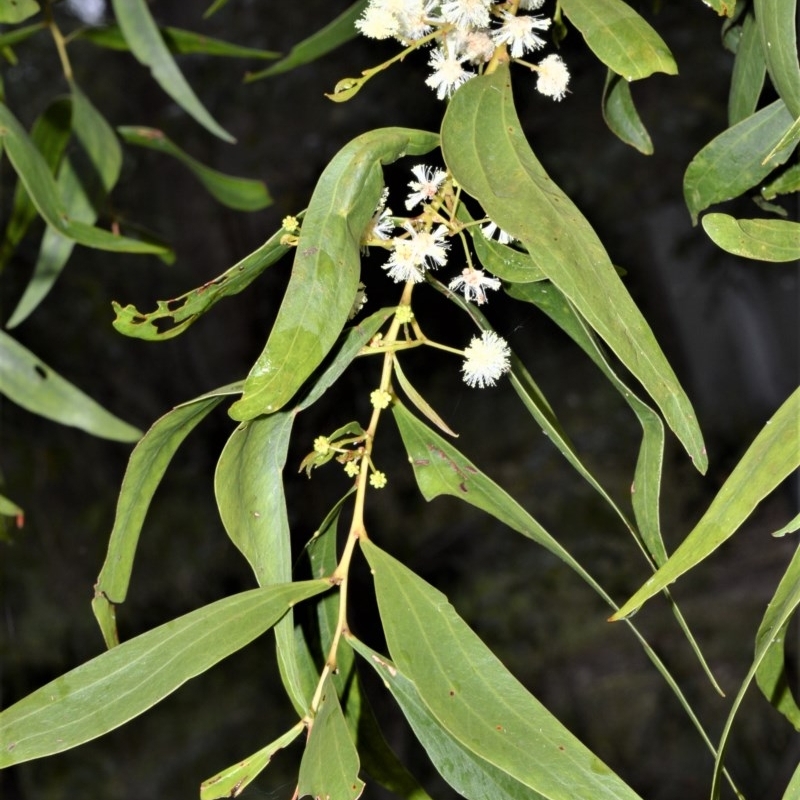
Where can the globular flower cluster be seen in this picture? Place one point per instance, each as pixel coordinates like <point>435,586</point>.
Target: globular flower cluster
<point>465,35</point>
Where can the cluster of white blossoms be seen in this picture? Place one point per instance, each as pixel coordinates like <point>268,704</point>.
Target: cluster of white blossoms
<point>420,244</point>
<point>465,35</point>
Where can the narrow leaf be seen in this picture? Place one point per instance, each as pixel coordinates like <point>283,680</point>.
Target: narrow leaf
<point>181,312</point>
<point>41,186</point>
<point>231,782</point>
<point>768,664</point>
<point>30,383</point>
<point>49,134</point>
<point>10,38</point>
<point>97,138</point>
<point>142,34</point>
<point>178,41</point>
<point>620,38</point>
<point>326,268</point>
<point>760,239</point>
<point>790,527</point>
<point>471,776</point>
<point>732,163</point>
<point>123,682</point>
<point>330,763</point>
<point>771,457</point>
<point>777,20</point>
<point>786,183</point>
<point>146,466</point>
<point>55,249</point>
<point>473,695</point>
<point>485,149</point>
<point>749,70</point>
<point>333,35</point>
<point>420,402</point>
<point>242,194</point>
<point>621,116</point>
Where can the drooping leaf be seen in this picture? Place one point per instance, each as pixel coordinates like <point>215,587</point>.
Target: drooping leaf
<point>620,38</point>
<point>761,239</point>
<point>13,12</point>
<point>49,134</point>
<point>777,20</point>
<point>231,782</point>
<point>146,466</point>
<point>55,249</point>
<point>242,194</point>
<point>475,698</point>
<point>419,402</point>
<point>326,269</point>
<point>183,311</point>
<point>621,116</point>
<point>790,527</point>
<point>749,70</point>
<point>733,162</point>
<point>768,665</point>
<point>27,381</point>
<point>471,776</point>
<point>123,682</point>
<point>771,457</point>
<point>485,149</point>
<point>178,41</point>
<point>330,762</point>
<point>145,41</point>
<point>41,186</point>
<point>333,35</point>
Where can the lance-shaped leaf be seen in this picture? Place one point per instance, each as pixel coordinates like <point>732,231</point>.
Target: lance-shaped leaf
<point>733,162</point>
<point>471,776</point>
<point>771,457</point>
<point>330,763</point>
<point>142,35</point>
<point>761,239</point>
<point>41,186</point>
<point>231,782</point>
<point>146,466</point>
<point>786,183</point>
<point>749,70</point>
<point>333,35</point>
<point>181,312</point>
<point>486,151</point>
<point>123,682</point>
<point>777,20</point>
<point>178,41</point>
<point>621,116</point>
<point>326,268</point>
<point>248,484</point>
<point>620,38</point>
<point>55,249</point>
<point>10,38</point>
<point>30,383</point>
<point>475,698</point>
<point>49,134</point>
<point>243,194</point>
<point>83,195</point>
<point>768,663</point>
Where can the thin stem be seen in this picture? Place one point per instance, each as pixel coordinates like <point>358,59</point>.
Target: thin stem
<point>60,41</point>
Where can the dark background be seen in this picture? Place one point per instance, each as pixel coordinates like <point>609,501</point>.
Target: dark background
<point>727,325</point>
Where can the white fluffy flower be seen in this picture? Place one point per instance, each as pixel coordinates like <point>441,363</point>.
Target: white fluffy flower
<point>476,46</point>
<point>518,33</point>
<point>448,74</point>
<point>379,21</point>
<point>467,13</point>
<point>553,77</point>
<point>485,360</point>
<point>382,224</point>
<point>427,184</point>
<point>473,282</point>
<point>414,254</point>
<point>414,20</point>
<point>489,230</point>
